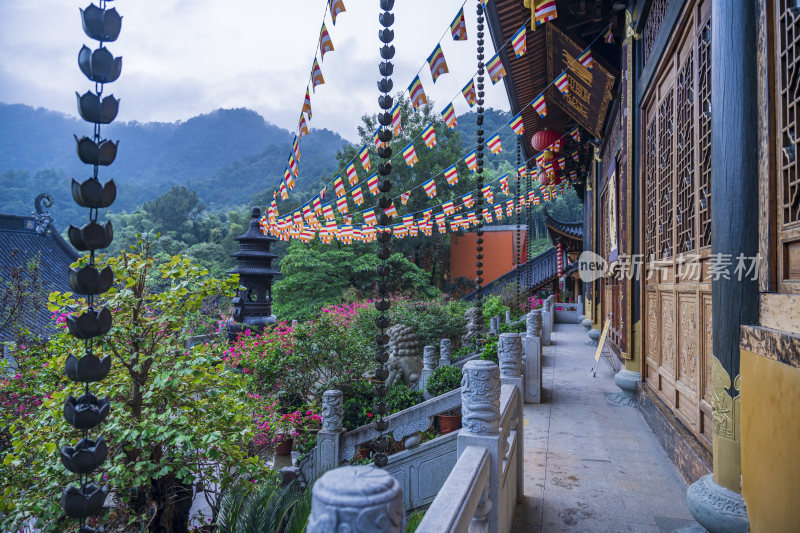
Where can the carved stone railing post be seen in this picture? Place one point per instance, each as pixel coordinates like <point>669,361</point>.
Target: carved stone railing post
<point>329,437</point>
<point>480,410</point>
<point>508,316</point>
<point>358,499</point>
<point>532,357</point>
<point>509,353</point>
<point>494,325</point>
<point>445,352</point>
<point>547,320</point>
<point>429,365</point>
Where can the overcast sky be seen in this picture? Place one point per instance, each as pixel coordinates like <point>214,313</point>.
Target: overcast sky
<point>186,57</point>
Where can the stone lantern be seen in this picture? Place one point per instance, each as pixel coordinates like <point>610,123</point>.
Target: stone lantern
<point>252,305</point>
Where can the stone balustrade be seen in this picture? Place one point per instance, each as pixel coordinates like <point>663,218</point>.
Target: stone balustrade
<point>567,313</point>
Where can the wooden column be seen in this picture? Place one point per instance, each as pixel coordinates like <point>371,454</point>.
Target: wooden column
<point>734,224</point>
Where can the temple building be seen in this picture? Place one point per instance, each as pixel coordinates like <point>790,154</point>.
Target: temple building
<point>692,200</point>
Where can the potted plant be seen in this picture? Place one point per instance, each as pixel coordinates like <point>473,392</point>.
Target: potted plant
<point>444,379</point>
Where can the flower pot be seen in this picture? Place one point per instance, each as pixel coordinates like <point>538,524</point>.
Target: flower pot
<point>449,423</point>
<point>363,452</point>
<point>284,447</point>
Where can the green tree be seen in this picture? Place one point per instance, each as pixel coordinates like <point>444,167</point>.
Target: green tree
<point>178,416</point>
<point>173,208</point>
<point>315,275</point>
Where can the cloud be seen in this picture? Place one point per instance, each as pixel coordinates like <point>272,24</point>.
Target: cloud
<point>182,58</point>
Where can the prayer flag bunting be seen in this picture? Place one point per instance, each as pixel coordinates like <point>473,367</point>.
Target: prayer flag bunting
<point>451,175</point>
<point>531,196</point>
<point>369,217</point>
<point>307,105</point>
<point>439,218</point>
<point>341,205</point>
<point>327,212</point>
<point>325,43</point>
<point>488,194</point>
<point>458,28</point>
<point>540,105</point>
<point>358,195</point>
<point>347,219</point>
<point>378,142</point>
<point>396,119</point>
<point>517,125</point>
<point>284,192</point>
<point>391,211</point>
<point>296,144</point>
<point>352,176</point>
<point>426,213</point>
<point>536,200</point>
<point>498,211</point>
<point>437,63</point>
<point>609,36</point>
<point>302,127</point>
<point>504,184</point>
<point>562,162</point>
<point>293,165</point>
<point>316,205</point>
<point>545,11</point>
<point>430,188</point>
<point>494,144</point>
<point>410,155</point>
<point>429,135</point>
<point>364,156</point>
<point>521,170</point>
<point>563,83</point>
<point>556,146</point>
<point>496,69</point>
<point>469,93</point>
<point>337,7</point>
<point>468,200</point>
<point>586,60</point>
<point>518,41</point>
<point>418,97</point>
<point>316,76</point>
<point>287,177</point>
<point>575,133</point>
<point>372,184</point>
<point>509,207</point>
<point>449,115</point>
<point>404,197</point>
<point>472,161</point>
<point>448,208</point>
<point>338,186</point>
<point>576,157</point>
<point>487,216</point>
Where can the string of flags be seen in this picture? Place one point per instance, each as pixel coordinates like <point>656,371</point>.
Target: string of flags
<point>438,66</point>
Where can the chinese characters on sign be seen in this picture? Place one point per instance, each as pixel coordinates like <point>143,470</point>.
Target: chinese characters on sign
<point>689,268</point>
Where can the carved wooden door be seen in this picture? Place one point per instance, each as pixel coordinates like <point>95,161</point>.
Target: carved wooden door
<point>677,226</point>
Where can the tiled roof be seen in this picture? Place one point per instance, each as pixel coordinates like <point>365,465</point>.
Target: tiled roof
<point>20,242</point>
<point>573,229</point>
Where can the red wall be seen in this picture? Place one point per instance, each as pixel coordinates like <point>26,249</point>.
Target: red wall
<point>498,255</point>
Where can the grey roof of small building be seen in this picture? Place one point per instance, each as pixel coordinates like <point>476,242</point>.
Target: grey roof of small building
<point>23,238</point>
<point>574,229</point>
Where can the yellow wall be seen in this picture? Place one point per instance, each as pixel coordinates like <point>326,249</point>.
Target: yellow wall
<point>770,433</point>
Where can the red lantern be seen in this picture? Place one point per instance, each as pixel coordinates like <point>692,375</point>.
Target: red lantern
<point>547,161</point>
<point>544,138</point>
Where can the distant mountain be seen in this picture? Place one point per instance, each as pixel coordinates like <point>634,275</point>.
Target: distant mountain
<point>226,155</point>
<point>230,157</point>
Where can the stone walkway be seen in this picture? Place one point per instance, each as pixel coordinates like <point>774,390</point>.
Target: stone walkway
<point>590,465</point>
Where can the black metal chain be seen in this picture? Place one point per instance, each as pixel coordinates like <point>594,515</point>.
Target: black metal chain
<point>380,444</point>
<point>479,169</point>
<point>528,188</point>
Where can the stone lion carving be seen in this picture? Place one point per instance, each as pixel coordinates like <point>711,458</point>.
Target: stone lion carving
<point>404,364</point>
<point>475,326</point>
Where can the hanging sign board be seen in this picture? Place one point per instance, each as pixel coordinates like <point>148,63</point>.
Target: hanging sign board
<point>589,90</point>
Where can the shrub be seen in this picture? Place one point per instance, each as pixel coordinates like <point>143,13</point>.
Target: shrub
<point>401,396</point>
<point>444,379</point>
<point>493,306</point>
<point>514,327</point>
<point>489,352</point>
<point>462,352</point>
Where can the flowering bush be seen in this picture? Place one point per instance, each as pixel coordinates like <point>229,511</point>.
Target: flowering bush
<point>273,426</point>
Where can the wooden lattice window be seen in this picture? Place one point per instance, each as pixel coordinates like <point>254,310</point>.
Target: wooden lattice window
<point>666,167</point>
<point>653,25</point>
<point>684,170</point>
<point>651,176</point>
<point>788,179</point>
<point>704,133</point>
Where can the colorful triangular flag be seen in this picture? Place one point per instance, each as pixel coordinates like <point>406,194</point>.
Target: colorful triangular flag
<point>458,28</point>
<point>429,136</point>
<point>363,155</point>
<point>495,69</point>
<point>336,7</point>
<point>325,43</point>
<point>410,155</point>
<point>469,93</point>
<point>316,75</point>
<point>518,41</point>
<point>418,97</point>
<point>437,63</point>
<point>449,115</point>
<point>517,125</point>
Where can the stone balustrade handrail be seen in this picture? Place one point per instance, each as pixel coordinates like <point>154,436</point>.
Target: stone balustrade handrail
<point>404,423</point>
<point>461,495</point>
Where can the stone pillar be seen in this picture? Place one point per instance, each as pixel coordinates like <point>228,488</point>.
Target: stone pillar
<point>428,366</point>
<point>445,352</point>
<point>532,348</point>
<point>547,320</point>
<point>716,502</point>
<point>509,353</point>
<point>508,316</point>
<point>480,410</point>
<point>358,499</point>
<point>494,325</point>
<point>329,437</point>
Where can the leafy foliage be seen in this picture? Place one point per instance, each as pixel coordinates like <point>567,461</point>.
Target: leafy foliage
<point>266,508</point>
<point>493,306</point>
<point>444,379</point>
<point>178,415</point>
<point>489,352</point>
